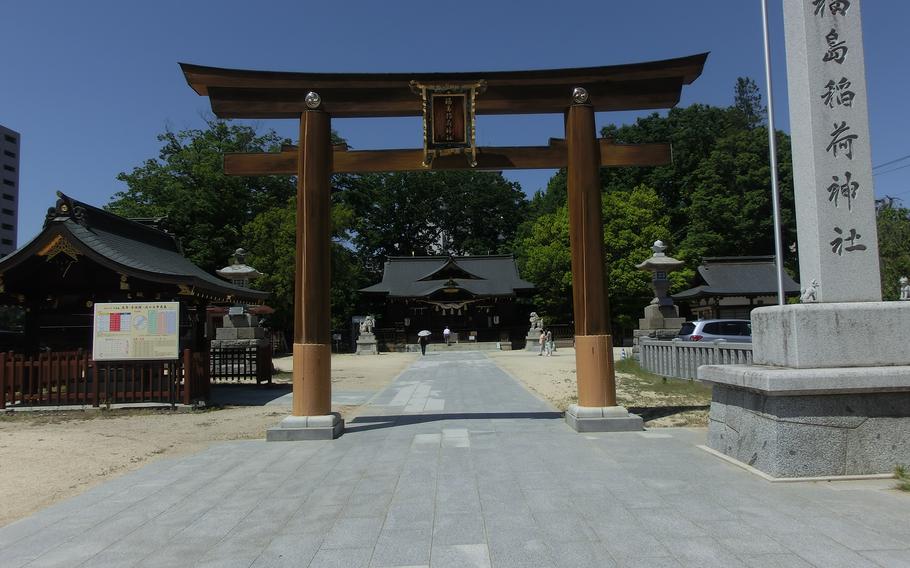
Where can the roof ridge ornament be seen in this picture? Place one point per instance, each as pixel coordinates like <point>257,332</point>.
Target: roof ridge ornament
<point>449,124</point>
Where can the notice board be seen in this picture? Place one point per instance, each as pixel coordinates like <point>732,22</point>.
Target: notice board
<point>136,330</point>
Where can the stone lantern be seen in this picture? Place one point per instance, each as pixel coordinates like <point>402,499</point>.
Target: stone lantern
<point>239,273</point>
<point>661,319</point>
<point>239,328</point>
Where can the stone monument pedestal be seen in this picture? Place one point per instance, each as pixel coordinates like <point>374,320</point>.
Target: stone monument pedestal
<point>828,395</point>
<point>239,331</point>
<point>603,419</point>
<point>532,340</point>
<point>297,428</point>
<point>660,322</point>
<point>367,345</point>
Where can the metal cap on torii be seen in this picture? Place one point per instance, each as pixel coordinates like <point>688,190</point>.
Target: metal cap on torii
<point>580,96</point>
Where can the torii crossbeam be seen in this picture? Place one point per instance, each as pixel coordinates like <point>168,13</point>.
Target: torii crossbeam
<point>448,102</point>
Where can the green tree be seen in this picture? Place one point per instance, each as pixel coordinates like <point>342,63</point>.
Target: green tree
<point>544,258</point>
<point>691,131</point>
<point>450,212</point>
<point>205,208</point>
<point>212,214</point>
<point>729,212</point>
<point>718,189</point>
<point>748,103</point>
<point>893,244</point>
<point>272,250</point>
<point>715,195</point>
<point>633,220</point>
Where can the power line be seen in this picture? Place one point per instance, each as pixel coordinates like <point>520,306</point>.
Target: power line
<point>891,170</point>
<point>895,195</point>
<point>901,159</point>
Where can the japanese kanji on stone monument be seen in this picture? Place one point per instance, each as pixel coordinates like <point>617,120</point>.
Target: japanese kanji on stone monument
<point>832,163</point>
<point>829,391</point>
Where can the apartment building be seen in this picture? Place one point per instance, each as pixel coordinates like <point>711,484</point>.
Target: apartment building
<point>9,189</point>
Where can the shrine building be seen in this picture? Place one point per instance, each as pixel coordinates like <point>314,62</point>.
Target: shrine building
<point>479,298</point>
<point>730,287</point>
<point>85,255</point>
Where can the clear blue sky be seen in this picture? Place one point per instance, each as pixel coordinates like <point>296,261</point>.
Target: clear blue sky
<point>90,84</point>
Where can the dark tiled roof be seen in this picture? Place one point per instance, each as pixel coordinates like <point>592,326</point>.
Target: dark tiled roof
<point>737,276</point>
<point>128,247</point>
<point>412,277</point>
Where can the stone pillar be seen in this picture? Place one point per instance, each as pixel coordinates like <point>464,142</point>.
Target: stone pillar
<point>832,163</point>
<point>596,409</point>
<point>311,416</point>
<point>829,389</point>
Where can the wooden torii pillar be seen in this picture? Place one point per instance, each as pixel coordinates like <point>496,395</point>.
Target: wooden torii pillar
<point>596,409</point>
<point>313,98</point>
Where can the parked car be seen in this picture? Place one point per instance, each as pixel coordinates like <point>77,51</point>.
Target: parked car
<point>739,331</point>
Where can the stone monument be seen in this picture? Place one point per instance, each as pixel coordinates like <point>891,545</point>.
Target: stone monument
<point>366,340</point>
<point>661,319</point>
<point>905,288</point>
<point>829,391</point>
<point>240,329</point>
<point>532,339</point>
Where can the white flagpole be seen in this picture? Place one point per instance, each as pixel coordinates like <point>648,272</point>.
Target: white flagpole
<point>772,145</point>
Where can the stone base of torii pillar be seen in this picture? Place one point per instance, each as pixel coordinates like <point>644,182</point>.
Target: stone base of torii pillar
<point>828,393</point>
<point>300,428</point>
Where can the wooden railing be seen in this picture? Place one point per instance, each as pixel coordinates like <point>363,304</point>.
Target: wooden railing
<point>681,359</point>
<point>71,377</point>
<point>236,363</point>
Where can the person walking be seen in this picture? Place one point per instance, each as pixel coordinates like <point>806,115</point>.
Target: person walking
<point>422,341</point>
<point>446,333</point>
<point>549,342</point>
<point>543,340</point>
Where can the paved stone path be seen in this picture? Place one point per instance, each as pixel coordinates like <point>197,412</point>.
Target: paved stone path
<point>458,465</point>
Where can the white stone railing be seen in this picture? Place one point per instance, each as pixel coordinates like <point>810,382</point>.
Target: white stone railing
<point>681,359</point>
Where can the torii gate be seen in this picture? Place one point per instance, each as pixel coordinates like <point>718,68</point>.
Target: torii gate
<point>448,103</point>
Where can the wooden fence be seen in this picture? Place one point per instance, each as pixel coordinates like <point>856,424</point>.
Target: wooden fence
<point>681,359</point>
<point>72,377</point>
<point>236,363</point>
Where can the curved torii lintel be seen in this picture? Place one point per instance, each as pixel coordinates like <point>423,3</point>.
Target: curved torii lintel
<point>239,93</point>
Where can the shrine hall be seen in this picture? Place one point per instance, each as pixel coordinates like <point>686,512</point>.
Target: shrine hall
<point>477,297</point>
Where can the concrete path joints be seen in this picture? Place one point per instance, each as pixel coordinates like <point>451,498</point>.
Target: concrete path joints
<point>456,464</point>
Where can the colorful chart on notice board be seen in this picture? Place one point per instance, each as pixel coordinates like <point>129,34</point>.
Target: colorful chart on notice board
<point>136,330</point>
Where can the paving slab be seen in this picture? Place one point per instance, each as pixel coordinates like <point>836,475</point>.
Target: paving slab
<point>456,464</point>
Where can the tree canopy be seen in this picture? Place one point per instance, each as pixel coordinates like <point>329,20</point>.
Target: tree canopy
<point>426,213</point>
<point>213,214</point>
<point>893,245</point>
<point>633,220</point>
<point>713,200</point>
<point>205,208</point>
<point>271,238</point>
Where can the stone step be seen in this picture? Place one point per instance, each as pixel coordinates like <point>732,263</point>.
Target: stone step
<point>464,346</point>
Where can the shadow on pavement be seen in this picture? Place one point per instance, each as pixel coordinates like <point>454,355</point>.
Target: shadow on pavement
<point>364,423</point>
<point>654,412</point>
<point>247,394</point>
